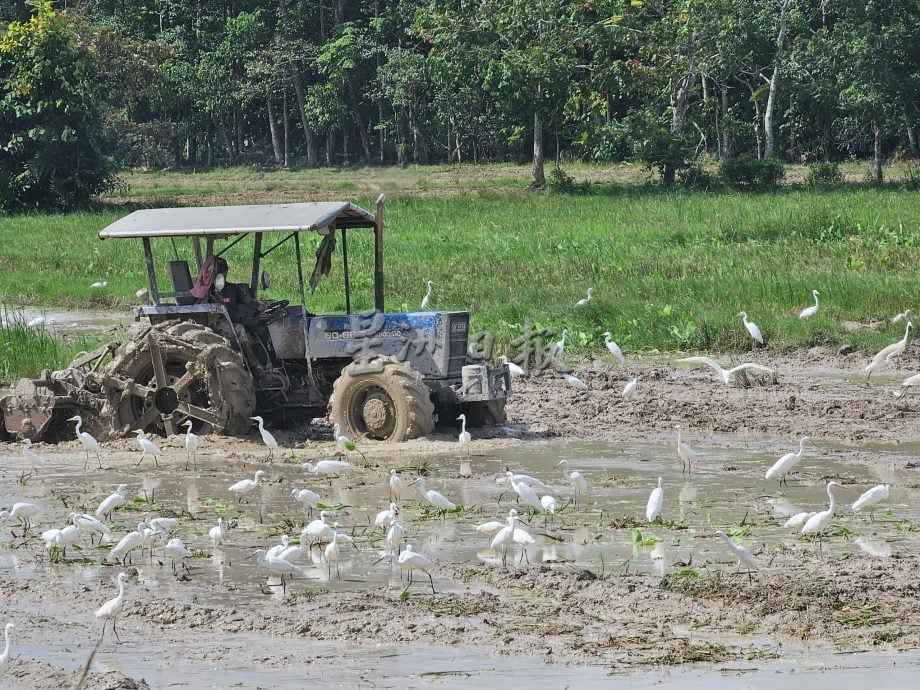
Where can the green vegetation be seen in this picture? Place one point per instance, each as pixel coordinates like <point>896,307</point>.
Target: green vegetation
<point>25,351</point>
<point>670,269</point>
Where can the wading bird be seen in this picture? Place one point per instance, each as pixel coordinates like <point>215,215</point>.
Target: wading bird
<point>395,536</point>
<point>385,517</point>
<point>109,610</point>
<point>148,447</point>
<point>90,525</point>
<point>395,484</point>
<point>5,657</point>
<point>782,466</point>
<point>655,499</point>
<point>504,536</point>
<point>817,523</point>
<point>900,317</point>
<point>558,347</point>
<point>799,519</point>
<point>246,486</point>
<point>744,556</point>
<point>191,445</point>
<point>870,498</point>
<point>110,503</point>
<point>912,380</point>
<point>513,368</point>
<point>584,301</point>
<point>415,561</point>
<point>307,497</point>
<point>575,478</point>
<point>527,479</point>
<point>724,374</point>
<point>525,493</point>
<point>176,551</point>
<point>331,554</point>
<point>30,454</point>
<point>128,543</point>
<point>345,443</point>
<point>686,453</point>
<point>426,300</point>
<point>630,388</point>
<point>267,438</point>
<point>614,348</point>
<point>278,565</point>
<point>317,531</point>
<point>24,512</point>
<point>100,284</point>
<point>89,443</point>
<point>435,498</point>
<point>751,328</point>
<point>884,356</point>
<point>574,381</point>
<point>327,467</point>
<point>812,310</point>
<point>217,533</point>
<point>466,441</point>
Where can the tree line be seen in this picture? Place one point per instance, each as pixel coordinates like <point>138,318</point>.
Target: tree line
<point>96,85</point>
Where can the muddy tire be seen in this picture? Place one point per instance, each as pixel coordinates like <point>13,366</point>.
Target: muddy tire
<point>389,403</point>
<point>490,413</point>
<point>218,381</point>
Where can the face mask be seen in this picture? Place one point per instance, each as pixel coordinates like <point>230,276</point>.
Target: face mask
<point>220,281</point>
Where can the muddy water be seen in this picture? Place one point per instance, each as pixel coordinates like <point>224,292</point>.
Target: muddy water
<point>725,490</point>
<point>76,320</point>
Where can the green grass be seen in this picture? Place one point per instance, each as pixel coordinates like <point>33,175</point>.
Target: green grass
<point>670,269</point>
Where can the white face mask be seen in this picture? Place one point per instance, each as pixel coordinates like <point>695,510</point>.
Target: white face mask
<point>220,281</point>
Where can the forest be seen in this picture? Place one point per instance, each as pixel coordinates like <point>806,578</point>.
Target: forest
<point>99,86</point>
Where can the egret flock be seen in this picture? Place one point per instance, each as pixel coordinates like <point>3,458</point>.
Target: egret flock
<point>409,504</point>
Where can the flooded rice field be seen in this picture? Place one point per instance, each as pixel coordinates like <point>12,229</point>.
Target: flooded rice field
<point>601,597</point>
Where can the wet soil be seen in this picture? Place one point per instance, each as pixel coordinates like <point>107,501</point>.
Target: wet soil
<point>586,597</point>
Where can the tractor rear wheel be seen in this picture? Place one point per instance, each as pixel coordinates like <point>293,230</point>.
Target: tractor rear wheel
<point>173,372</point>
<point>384,400</point>
<point>489,413</point>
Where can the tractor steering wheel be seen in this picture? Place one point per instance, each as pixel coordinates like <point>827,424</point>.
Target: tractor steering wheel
<point>271,311</point>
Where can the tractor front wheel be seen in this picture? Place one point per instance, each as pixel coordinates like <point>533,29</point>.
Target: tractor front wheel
<point>383,400</point>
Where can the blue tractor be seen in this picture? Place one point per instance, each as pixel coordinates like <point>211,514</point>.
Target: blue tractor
<point>216,353</point>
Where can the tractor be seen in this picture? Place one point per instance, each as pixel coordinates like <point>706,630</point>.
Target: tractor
<point>199,356</point>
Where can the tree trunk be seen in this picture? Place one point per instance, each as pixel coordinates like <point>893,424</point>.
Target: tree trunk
<point>277,148</point>
<point>286,120</point>
<point>877,152</point>
<point>680,102</point>
<point>359,121</point>
<point>539,178</point>
<point>312,157</point>
<point>912,140</point>
<point>726,135</point>
<point>329,141</point>
<point>768,149</point>
<point>228,142</point>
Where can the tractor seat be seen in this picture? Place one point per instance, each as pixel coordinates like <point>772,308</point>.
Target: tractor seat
<point>182,282</point>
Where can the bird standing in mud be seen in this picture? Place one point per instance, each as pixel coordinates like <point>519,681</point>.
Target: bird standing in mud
<point>752,328</point>
<point>110,503</point>
<point>109,610</point>
<point>148,447</point>
<point>191,445</point>
<point>818,522</point>
<point>724,374</point>
<point>812,310</point>
<point>744,556</point>
<point>247,486</point>
<point>415,561</point>
<point>5,657</point>
<point>395,484</point>
<point>466,441</point>
<point>655,500</point>
<point>86,439</point>
<point>871,498</point>
<point>686,454</point>
<point>885,354</point>
<point>426,300</point>
<point>584,300</point>
<point>575,478</point>
<point>30,454</point>
<point>267,438</point>
<point>613,348</point>
<point>782,466</point>
<point>435,498</point>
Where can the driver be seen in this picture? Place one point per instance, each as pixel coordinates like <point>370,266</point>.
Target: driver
<point>241,305</point>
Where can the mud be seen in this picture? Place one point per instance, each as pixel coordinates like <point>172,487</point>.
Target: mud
<point>586,597</point>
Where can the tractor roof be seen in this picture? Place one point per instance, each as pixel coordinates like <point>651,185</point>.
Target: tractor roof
<point>318,216</point>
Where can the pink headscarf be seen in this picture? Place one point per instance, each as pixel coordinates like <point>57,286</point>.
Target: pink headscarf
<point>205,280</point>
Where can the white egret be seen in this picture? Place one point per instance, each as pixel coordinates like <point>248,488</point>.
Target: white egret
<point>911,380</point>
<point>575,478</point>
<point>614,348</point>
<point>395,536</point>
<point>291,552</point>
<point>267,438</point>
<point>798,520</point>
<point>163,526</point>
<point>435,498</point>
<point>385,517</point>
<point>176,551</point>
<point>725,374</point>
<point>191,445</point>
<point>24,512</point>
<point>574,381</point>
<point>278,565</point>
<point>584,301</point>
<point>744,556</point>
<point>30,454</point>
<point>884,356</point>
<point>686,453</point>
<point>307,497</point>
<point>522,538</point>
<point>217,533</point>
<point>128,543</point>
<point>812,310</point>
<point>317,530</point>
<point>558,347</point>
<point>870,498</point>
<point>549,504</point>
<point>36,322</point>
<point>900,317</point>
<point>751,328</point>
<point>466,441</point>
<point>525,492</point>
<point>148,447</point>
<point>490,528</point>
<point>91,525</point>
<point>98,285</point>
<point>513,368</point>
<point>817,523</point>
<point>527,479</point>
<point>427,298</point>
<point>5,657</point>
<point>327,467</point>
<point>630,388</point>
<point>89,443</point>
<point>395,484</point>
<point>655,499</point>
<point>110,503</point>
<point>415,561</point>
<point>331,554</point>
<point>276,550</point>
<point>505,536</point>
<point>247,486</point>
<point>782,466</point>
<point>109,610</point>
<point>66,536</point>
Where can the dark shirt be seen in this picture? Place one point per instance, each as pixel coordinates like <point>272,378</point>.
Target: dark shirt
<point>240,304</point>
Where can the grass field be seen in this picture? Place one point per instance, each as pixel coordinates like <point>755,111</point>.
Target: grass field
<point>670,269</point>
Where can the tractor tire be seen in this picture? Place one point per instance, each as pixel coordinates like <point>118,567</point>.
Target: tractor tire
<point>490,413</point>
<point>390,404</point>
<point>221,384</point>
